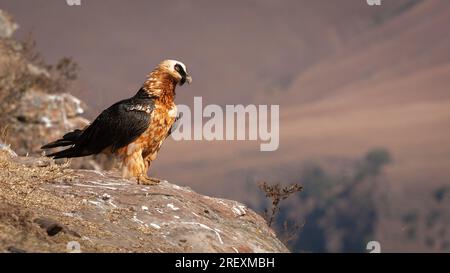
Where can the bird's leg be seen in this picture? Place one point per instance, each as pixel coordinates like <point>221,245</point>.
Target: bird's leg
<point>145,177</point>
<point>135,166</point>
<point>145,180</point>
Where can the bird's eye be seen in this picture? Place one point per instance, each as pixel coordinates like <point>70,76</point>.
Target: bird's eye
<point>177,67</point>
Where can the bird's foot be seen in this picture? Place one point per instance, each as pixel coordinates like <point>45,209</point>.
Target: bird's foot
<point>145,180</point>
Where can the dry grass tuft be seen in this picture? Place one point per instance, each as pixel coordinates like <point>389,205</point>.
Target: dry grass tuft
<point>20,183</point>
<point>276,193</point>
<point>4,134</point>
<point>24,196</point>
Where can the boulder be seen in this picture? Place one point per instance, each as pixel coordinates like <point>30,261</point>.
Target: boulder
<point>59,209</point>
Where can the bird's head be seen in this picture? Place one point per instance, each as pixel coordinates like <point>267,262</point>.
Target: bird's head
<point>177,70</point>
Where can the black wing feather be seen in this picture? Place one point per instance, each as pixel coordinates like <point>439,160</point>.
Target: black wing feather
<point>115,127</point>
<point>67,140</point>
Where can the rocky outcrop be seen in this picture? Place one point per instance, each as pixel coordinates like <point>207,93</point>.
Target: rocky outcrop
<point>46,207</point>
<point>35,107</point>
<point>41,117</point>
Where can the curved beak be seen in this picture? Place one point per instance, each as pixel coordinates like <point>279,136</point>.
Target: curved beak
<point>188,78</point>
<point>185,78</point>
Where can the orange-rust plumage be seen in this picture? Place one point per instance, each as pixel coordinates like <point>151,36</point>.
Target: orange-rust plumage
<point>138,155</point>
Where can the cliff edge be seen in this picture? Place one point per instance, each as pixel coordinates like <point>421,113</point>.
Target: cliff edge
<point>46,207</point>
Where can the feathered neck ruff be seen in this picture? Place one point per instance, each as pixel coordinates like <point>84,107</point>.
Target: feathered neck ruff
<point>160,84</point>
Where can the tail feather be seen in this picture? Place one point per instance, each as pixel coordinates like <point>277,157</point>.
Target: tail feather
<point>58,143</point>
<point>67,153</point>
<point>67,140</point>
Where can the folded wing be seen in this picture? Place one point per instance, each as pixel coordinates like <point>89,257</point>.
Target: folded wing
<point>114,128</point>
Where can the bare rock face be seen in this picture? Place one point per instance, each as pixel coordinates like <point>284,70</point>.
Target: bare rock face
<point>41,117</point>
<point>90,211</point>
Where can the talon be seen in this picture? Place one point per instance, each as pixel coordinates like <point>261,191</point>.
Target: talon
<point>145,180</point>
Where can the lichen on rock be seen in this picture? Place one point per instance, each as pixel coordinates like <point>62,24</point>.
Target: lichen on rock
<point>104,213</point>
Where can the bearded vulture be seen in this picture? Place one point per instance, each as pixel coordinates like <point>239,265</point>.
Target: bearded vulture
<point>133,129</point>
